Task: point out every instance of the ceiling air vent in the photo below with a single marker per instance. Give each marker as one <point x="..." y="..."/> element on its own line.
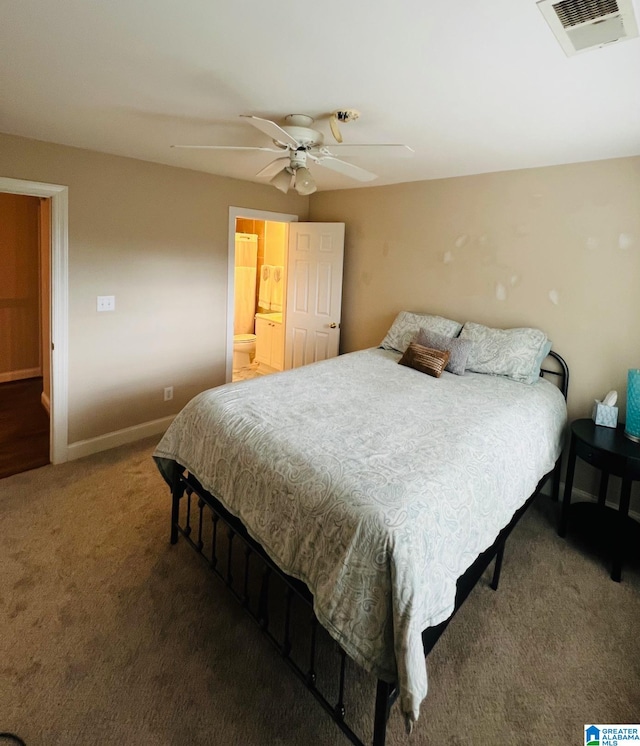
<point x="580" y="25"/>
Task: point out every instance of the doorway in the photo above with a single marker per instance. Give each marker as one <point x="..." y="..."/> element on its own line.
<point x="58" y="306"/>
<point x="24" y="333"/>
<point x="260" y="298"/>
<point x="267" y="231"/>
<point x="304" y="327"/>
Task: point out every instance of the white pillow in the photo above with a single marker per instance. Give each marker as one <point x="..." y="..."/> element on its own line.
<point x="407" y="325"/>
<point x="513" y="353"/>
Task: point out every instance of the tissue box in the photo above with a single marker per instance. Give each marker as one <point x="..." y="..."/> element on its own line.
<point x="604" y="415"/>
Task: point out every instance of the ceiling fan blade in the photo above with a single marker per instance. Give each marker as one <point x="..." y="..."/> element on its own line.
<point x="342" y="167"/>
<point x="273" y="168"/>
<point x="273" y="130"/>
<point x="397" y="151"/>
<point x="228" y="147"/>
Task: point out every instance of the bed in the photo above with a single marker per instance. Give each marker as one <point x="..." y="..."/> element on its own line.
<point x="380" y="494"/>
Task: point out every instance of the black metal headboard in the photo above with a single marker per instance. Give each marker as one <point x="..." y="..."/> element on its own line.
<point x="562" y="374"/>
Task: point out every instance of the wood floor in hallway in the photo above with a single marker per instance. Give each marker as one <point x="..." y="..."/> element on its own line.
<point x="24" y="427"/>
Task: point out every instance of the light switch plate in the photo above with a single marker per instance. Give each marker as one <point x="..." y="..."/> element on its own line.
<point x="106" y="303"/>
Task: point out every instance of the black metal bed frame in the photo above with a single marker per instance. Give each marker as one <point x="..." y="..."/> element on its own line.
<point x="208" y="542"/>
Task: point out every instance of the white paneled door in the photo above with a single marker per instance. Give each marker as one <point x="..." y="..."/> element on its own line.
<point x="314" y="292"/>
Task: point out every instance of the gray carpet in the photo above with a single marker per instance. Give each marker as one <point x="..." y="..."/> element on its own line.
<point x="108" y="635"/>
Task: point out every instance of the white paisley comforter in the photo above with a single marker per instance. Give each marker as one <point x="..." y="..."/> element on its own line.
<point x="375" y="484"/>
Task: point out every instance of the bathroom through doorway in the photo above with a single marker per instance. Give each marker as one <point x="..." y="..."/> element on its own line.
<point x="257" y="289"/>
<point x="299" y="322"/>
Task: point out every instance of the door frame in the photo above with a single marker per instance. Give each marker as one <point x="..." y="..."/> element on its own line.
<point x="242" y="212"/>
<point x="59" y="286"/>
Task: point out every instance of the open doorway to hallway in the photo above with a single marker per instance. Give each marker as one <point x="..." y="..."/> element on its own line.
<point x="25" y="371"/>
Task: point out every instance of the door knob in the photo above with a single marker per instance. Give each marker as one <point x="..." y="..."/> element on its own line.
<point x="333" y="325"/>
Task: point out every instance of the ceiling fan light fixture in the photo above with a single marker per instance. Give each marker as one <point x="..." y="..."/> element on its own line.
<point x="282" y="180"/>
<point x="297" y="141"/>
<point x="304" y="183"/>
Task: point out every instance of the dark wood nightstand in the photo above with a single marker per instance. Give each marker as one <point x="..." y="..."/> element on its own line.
<point x="611" y="452"/>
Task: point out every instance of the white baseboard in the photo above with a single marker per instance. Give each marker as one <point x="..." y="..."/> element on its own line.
<point x="584" y="496"/>
<point x="44" y="400"/>
<point x="118" y="438"/>
<point x="18" y="375"/>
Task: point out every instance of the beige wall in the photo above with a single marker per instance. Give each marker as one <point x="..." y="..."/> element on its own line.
<point x="156" y="238"/>
<point x="556" y="248"/>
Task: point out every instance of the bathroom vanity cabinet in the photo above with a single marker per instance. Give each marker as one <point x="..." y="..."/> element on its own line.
<point x="270" y="340"/>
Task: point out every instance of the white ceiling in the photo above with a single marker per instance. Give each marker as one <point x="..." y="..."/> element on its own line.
<point x="473" y="87"/>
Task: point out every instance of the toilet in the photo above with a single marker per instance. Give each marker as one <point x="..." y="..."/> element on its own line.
<point x="244" y="350"/>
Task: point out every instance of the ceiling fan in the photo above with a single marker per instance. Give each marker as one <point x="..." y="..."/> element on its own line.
<point x="297" y="143"/>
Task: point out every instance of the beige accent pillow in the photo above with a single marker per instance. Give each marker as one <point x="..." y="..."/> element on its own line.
<point x="425" y="359"/>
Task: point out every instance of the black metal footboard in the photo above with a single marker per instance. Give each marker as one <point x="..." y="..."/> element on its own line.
<point x="231" y="553"/>
<point x="235" y="558"/>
